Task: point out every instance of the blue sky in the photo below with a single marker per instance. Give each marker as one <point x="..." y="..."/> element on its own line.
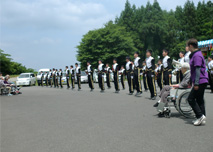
<point x="45" y="33"/>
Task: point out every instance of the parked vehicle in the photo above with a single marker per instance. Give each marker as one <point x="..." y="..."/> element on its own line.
<point x="84" y="77"/>
<point x="64" y="79"/>
<point x="39" y="75"/>
<point x="26" y="79"/>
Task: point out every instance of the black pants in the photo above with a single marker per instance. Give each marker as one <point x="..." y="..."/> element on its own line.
<point x="130" y="81"/>
<point x="51" y="81"/>
<point x="90" y="81"/>
<point x="122" y="81"/>
<point x="151" y="83"/>
<point x="101" y="81"/>
<point x="73" y="81"/>
<point x="166" y="78"/>
<point x="116" y="81"/>
<point x="210" y="80"/>
<point x="179" y="77"/>
<point x="145" y="82"/>
<point x="60" y="80"/>
<point x="54" y="81"/>
<point x="137" y="80"/>
<point x="196" y="100"/>
<point x="159" y="80"/>
<point x="42" y="82"/>
<point x="46" y="81"/>
<point x="79" y="81"/>
<point x="68" y="83"/>
<point x="108" y="80"/>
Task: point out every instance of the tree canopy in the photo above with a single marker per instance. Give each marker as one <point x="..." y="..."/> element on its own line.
<point x="149" y="27"/>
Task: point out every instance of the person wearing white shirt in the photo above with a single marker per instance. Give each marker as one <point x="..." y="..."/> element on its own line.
<point x="144" y="76"/>
<point x="179" y="75"/>
<point x="159" y="74"/>
<point x="54" y="80"/>
<point x="137" y="69"/>
<point x="56" y="77"/>
<point x="150" y="68"/>
<point x="46" y="78"/>
<point x="78" y="75"/>
<point x="51" y="78"/>
<point x="67" y="72"/>
<point x="130" y="74"/>
<point x="60" y="74"/>
<point x="108" y="71"/>
<point x="187" y="54"/>
<point x="116" y="76"/>
<point x="210" y="71"/>
<point x="101" y="75"/>
<point x="90" y="74"/>
<point x="72" y="72"/>
<point x="42" y="78"/>
<point x="122" y="73"/>
<point x="167" y="68"/>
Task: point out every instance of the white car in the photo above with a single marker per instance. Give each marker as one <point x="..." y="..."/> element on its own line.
<point x="26" y="79"/>
<point x="39" y="75"/>
<point x="84" y="77"/>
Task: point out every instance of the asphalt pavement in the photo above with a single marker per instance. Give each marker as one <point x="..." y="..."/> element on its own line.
<point x="59" y="120"/>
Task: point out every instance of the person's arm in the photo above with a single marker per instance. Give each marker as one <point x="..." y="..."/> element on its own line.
<point x="169" y="62"/>
<point x="197" y="75"/>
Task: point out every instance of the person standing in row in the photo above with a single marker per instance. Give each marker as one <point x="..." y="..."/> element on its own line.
<point x="159" y="74"/>
<point x="101" y="75"/>
<point x="56" y="77"/>
<point x="179" y="76"/>
<point x="90" y="75"/>
<point x="78" y="75"/>
<point x="67" y="72"/>
<point x="199" y="78"/>
<point x="46" y="79"/>
<point x="60" y="77"/>
<point x="108" y="71"/>
<point x="122" y="73"/>
<point x="187" y="54"/>
<point x="115" y="70"/>
<point x="54" y="81"/>
<point x="72" y="72"/>
<point x="51" y="78"/>
<point x="210" y="72"/>
<point x="150" y="68"/>
<point x="137" y="68"/>
<point x="130" y="74"/>
<point x="42" y="78"/>
<point x="144" y="73"/>
<point x="167" y="68"/>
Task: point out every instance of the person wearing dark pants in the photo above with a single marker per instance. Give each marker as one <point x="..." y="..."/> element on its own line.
<point x="122" y="73"/>
<point x="159" y="74"/>
<point x="67" y="72"/>
<point x="60" y="78"/>
<point x="101" y="75"/>
<point x="199" y="79"/>
<point x="167" y="68"/>
<point x="137" y="70"/>
<point x="42" y="78"/>
<point x="179" y="75"/>
<point x="210" y="72"/>
<point x="108" y="72"/>
<point x="51" y="78"/>
<point x="72" y="72"/>
<point x="150" y="68"/>
<point x="54" y="82"/>
<point x="78" y="75"/>
<point x="56" y="77"/>
<point x="90" y="75"/>
<point x="46" y="79"/>
<point x="145" y="76"/>
<point x="130" y="74"/>
<point x="115" y="70"/>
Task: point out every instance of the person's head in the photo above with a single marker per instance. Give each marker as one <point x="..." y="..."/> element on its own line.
<point x="122" y="67"/>
<point x="88" y="62"/>
<point x="185" y="67"/>
<point x="53" y="69"/>
<point x="114" y="61"/>
<point x="165" y="52"/>
<point x="41" y="71"/>
<point x="192" y="44"/>
<point x="60" y="69"/>
<point x="76" y="64"/>
<point x="66" y="67"/>
<point x="45" y="72"/>
<point x="7" y="77"/>
<point x="56" y="69"/>
<point x="136" y="54"/>
<point x="148" y="53"/>
<point x="71" y="66"/>
<point x="144" y="62"/>
<point x="107" y="65"/>
<point x="187" y="49"/>
<point x="127" y="59"/>
<point x="159" y="61"/>
<point x="50" y="70"/>
<point x="210" y="58"/>
<point x="99" y="61"/>
<point x="181" y="54"/>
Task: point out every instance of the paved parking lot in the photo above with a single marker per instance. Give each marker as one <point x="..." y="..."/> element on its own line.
<point x="61" y="120"/>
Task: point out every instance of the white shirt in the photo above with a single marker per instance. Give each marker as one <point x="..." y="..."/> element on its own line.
<point x="149" y="62"/>
<point x="77" y="70"/>
<point x="186" y="57"/>
<point x="122" y="71"/>
<point x="66" y="71"/>
<point x="100" y="67"/>
<point x="136" y="61"/>
<point x="159" y="67"/>
<point x="114" y="66"/>
<point x="165" y="63"/>
<point x="181" y="60"/>
<point x="88" y="68"/>
<point x="53" y="72"/>
<point x="71" y="71"/>
<point x="210" y="65"/>
<point x="144" y="68"/>
<point x="127" y="65"/>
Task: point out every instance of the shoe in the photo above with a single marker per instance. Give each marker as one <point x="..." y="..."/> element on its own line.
<point x="9" y="94"/>
<point x="199" y="121"/>
<point x="153" y="98"/>
<point x="160" y="114"/>
<point x="203" y="122"/>
<point x="156" y="105"/>
<point x="91" y="90"/>
<point x="130" y="93"/>
<point x="102" y="91"/>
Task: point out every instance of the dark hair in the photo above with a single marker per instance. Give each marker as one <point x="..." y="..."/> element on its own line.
<point x="182" y="52"/>
<point x="60" y="69"/>
<point x="71" y="66"/>
<point x="160" y="60"/>
<point x="53" y="68"/>
<point x="122" y="66"/>
<point x="192" y="42"/>
<point x="100" y="60"/>
<point x="56" y="69"/>
<point x="150" y="51"/>
<point x="50" y="70"/>
<point x="166" y="51"/>
<point x="107" y="64"/>
<point x="136" y="53"/>
<point x="211" y="56"/>
<point x="89" y="62"/>
<point x="144" y="61"/>
<point x="42" y="71"/>
<point x="115" y="59"/>
<point x="128" y="58"/>
<point x="76" y="63"/>
<point x="66" y="66"/>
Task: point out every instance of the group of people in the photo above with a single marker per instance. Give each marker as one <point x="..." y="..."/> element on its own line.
<point x="192" y="72"/>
